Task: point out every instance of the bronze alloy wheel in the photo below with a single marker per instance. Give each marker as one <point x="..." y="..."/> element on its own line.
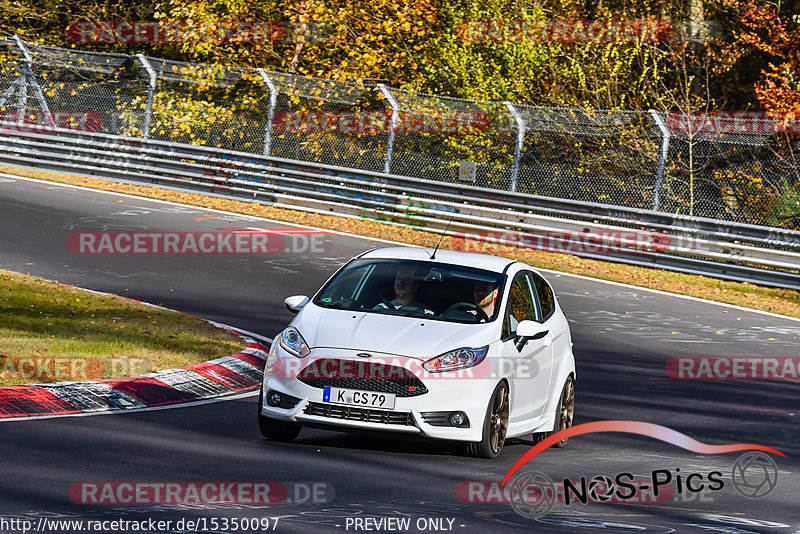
<point x="495" y="425"/>
<point x="499" y="422"/>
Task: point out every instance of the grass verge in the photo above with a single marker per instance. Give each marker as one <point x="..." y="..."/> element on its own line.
<point x="51" y="332"/>
<point x="780" y="301"/>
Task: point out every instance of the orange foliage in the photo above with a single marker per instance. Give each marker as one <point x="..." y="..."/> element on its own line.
<point x="780" y="90"/>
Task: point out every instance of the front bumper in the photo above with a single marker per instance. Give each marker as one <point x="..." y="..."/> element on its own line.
<point x="446" y="392"/>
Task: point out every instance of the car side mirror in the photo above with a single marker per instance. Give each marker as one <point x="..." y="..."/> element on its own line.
<point x="528" y="330"/>
<point x="295" y="303"/>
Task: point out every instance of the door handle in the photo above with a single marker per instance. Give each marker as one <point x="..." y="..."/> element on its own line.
<point x="547" y="341"/>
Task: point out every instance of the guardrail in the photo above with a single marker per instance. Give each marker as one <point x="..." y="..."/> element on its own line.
<point x="732" y="251"/>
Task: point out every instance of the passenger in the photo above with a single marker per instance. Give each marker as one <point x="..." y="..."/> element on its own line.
<point x="486" y="296"/>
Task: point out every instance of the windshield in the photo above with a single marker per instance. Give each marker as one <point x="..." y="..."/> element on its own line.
<point x="414" y="289"/>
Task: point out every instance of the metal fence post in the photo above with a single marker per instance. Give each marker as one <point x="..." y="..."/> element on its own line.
<point x="273" y="100"/>
<point x="27" y="78"/>
<point x="662" y="159"/>
<point x="387" y="167"/>
<point x="148" y="113"/>
<point x="519" y="146"/>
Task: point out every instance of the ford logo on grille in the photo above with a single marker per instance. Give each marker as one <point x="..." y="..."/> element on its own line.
<point x="364" y="355"/>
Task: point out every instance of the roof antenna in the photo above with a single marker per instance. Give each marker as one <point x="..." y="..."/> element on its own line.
<point x="433" y="256"/>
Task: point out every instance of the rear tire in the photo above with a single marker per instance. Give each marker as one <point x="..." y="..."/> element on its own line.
<point x="564" y="415"/>
<point x="273" y="429"/>
<point x="495" y="425"/>
<point x="566" y="411"/>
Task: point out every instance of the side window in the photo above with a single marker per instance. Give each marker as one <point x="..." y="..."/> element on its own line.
<point x="547" y="301"/>
<point x="521" y="304"/>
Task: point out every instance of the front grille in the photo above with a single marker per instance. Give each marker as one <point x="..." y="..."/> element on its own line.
<point x="363" y="376"/>
<point x="351" y="413"/>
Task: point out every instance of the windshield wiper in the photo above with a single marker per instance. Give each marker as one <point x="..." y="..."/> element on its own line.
<point x="329" y="304"/>
<point x="402" y="313"/>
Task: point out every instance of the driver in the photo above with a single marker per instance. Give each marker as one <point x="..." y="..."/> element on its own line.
<point x="486" y="295"/>
<point x="405" y="289"/>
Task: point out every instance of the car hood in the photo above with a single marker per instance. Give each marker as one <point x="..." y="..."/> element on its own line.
<point x="413" y="337"/>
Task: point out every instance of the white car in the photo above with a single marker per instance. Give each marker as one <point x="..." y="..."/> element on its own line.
<point x="449" y="345"/>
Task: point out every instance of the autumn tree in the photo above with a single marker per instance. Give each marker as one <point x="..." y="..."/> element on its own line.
<point x="354" y="40"/>
<point x="46" y="21"/>
<point x="778" y="36"/>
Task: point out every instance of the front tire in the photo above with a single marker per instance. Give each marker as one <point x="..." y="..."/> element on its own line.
<point x="273" y="429"/>
<point x="495" y="425"/>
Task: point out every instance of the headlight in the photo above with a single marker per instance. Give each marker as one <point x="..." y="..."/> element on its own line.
<point x="292" y="342"/>
<point x="456" y="359"/>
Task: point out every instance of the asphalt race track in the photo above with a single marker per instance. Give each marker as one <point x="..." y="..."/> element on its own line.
<point x="623" y="339"/>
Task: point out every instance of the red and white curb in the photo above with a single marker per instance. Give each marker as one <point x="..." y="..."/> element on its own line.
<point x="221" y="377"/>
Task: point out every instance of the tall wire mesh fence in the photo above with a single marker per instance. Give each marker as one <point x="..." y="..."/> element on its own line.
<point x="434" y="134"/>
<point x="750" y="176"/>
<point x="329" y="122"/>
<point x="72" y="89"/>
<point x="205" y="104"/>
<point x="609" y="157"/>
<point x="743" y="169"/>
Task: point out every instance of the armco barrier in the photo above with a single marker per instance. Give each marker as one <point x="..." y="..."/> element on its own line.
<point x="732" y="251"/>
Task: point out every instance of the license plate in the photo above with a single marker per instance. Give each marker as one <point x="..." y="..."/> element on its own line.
<point x="354" y="397"/>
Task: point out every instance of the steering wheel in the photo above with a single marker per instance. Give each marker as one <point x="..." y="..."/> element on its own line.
<point x="346" y="303"/>
<point x="468" y="307"/>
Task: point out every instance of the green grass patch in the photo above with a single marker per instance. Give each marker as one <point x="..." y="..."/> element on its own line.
<point x="50" y="332"/>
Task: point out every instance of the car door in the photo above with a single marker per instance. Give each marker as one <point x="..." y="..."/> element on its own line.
<point x="555" y="324"/>
<point x="532" y="364"/>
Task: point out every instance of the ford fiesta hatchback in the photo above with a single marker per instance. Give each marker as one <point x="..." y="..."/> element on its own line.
<point x="449" y="345"/>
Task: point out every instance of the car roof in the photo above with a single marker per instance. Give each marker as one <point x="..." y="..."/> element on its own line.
<point x="467" y="259"/>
